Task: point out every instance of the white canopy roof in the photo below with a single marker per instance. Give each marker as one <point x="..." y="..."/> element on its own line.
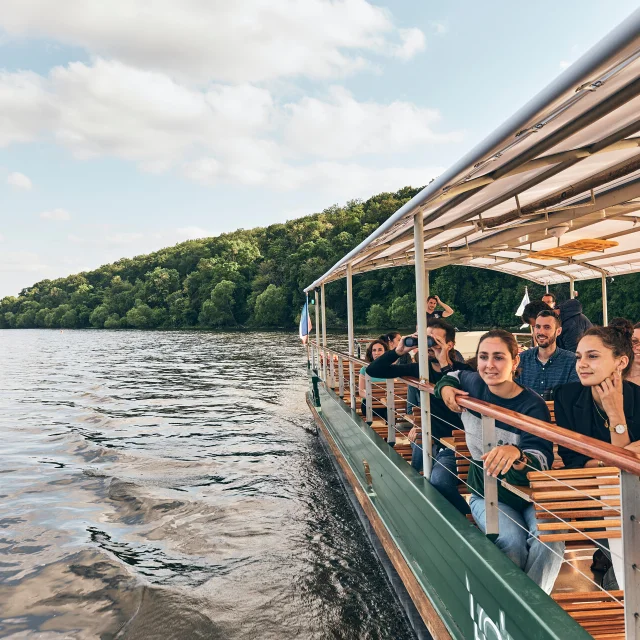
<point x="565" y="168"/>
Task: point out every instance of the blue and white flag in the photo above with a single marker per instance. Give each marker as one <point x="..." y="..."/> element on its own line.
<point x="305" y="323"/>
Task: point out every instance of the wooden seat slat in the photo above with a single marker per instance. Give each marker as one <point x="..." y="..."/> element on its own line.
<point x="578" y="482"/>
<point x="588" y="596"/>
<point x="562" y="474"/>
<point x="579" y="524"/>
<point x="559" y="537"/>
<point x="569" y="494"/>
<point x="593" y="513"/>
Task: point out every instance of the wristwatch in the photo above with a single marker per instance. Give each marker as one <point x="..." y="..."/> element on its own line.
<point x="619" y="428"/>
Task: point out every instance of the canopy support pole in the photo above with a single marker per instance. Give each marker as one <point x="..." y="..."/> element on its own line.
<point x="352" y="374"/>
<point x="572" y="290"/>
<point x="605" y="309"/>
<point x="324" y="334"/>
<point x="317" y="306"/>
<point x="422" y="291"/>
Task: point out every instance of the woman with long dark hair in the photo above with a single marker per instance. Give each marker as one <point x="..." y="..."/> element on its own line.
<point x="517" y="453"/>
<point x="374" y="351"/>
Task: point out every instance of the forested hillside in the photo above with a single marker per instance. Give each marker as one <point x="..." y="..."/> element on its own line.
<point x="255" y="278"/>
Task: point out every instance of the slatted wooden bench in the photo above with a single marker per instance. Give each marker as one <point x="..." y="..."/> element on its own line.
<point x="596" y="611"/>
<point x="571" y="501"/>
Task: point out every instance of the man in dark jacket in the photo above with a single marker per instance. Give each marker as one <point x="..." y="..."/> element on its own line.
<point x="574" y="324"/>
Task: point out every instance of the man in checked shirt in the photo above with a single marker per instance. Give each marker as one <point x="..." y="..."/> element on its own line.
<point x="546" y="366"/>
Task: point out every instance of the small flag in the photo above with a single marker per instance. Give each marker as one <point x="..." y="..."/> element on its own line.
<point x="305" y="323"/>
<point x="524" y="303"/>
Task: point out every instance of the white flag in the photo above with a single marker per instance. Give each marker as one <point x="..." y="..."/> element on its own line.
<point x="524" y="303"/>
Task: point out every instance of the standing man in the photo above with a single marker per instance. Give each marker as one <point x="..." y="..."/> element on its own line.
<point x="574" y="324"/>
<point x="546" y="366"/>
<point x="432" y="303"/>
<point x="550" y="299"/>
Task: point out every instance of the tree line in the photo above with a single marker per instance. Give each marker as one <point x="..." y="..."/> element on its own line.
<point x="256" y="277"/>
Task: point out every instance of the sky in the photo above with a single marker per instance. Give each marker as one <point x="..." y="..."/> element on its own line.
<point x="127" y="126"/>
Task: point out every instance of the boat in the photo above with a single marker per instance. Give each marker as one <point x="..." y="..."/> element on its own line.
<point x="552" y="196"/>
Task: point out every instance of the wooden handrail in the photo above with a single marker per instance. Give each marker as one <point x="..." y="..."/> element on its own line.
<point x="609" y="454"/>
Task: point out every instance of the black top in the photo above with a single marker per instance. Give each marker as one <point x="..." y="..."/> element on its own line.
<point x="445" y="420"/>
<point x="575" y="410"/>
<point x="434" y="316"/>
<point x="574" y="324"/>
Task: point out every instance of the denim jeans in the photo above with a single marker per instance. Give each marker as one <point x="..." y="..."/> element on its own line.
<point x="413" y="399"/>
<point x="520" y="542"/>
<point x="444" y="475"/>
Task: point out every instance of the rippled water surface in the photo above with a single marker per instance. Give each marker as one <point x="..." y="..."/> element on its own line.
<point x="171" y="485"/>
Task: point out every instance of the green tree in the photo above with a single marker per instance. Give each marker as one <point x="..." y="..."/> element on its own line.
<point x="140" y="316"/>
<point x="69" y="320"/>
<point x="271" y="307"/>
<point x="378" y="317"/>
<point x="98" y="316"/>
<point x="218" y="310"/>
<point x="112" y="322"/>
<point x="403" y="311"/>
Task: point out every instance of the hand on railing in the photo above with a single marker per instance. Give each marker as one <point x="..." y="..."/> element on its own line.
<point x="500" y="459"/>
<point x="450" y="396"/>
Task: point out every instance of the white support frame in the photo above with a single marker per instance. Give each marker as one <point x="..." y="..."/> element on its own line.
<point x="368" y="398"/>
<point x="630" y="502"/>
<point x="352" y="376"/>
<point x="317" y="368"/>
<point x="341" y="376"/>
<point x="324" y="334"/>
<point x="492" y="527"/>
<point x="605" y="305"/>
<point x="422" y="291"/>
<point x="391" y="411"/>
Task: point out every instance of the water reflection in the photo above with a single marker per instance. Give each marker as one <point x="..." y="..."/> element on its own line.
<point x="170" y="485"/>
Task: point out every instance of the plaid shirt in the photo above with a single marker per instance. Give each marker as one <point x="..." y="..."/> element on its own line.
<point x="559" y="369"/>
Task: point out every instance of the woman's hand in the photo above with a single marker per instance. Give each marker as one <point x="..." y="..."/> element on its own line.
<point x="609" y="392"/>
<point x="500" y="460"/>
<point x="450" y="398"/>
<point x="634" y="447"/>
<point x="413" y="434"/>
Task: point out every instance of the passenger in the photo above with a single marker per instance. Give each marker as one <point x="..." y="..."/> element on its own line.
<point x="546" y="366"/>
<point x="602" y="405"/>
<point x="432" y="314"/>
<point x="517" y="453"/>
<point x="444" y="474"/>
<point x="374" y="351"/>
<point x="531" y="311"/>
<point x="549" y="299"/>
<point x="574" y="324"/>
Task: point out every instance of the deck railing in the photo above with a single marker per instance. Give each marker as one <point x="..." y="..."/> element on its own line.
<point x="609" y="497"/>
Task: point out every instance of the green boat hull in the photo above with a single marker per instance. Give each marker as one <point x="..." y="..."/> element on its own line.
<point x="462" y="585"/>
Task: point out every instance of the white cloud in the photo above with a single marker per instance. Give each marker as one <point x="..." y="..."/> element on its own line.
<point x="249" y="41"/>
<point x="1" y="238"/>
<point x="24" y="107"/>
<point x="343" y="127"/>
<point x="59" y="215"/>
<point x="12" y="261"/>
<point x="123" y="238"/>
<point x="413" y="42"/>
<point x="19" y="181"/>
<point x="439" y="27"/>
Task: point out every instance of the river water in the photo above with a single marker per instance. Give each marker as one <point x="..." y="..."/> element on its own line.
<point x="171" y="485"/>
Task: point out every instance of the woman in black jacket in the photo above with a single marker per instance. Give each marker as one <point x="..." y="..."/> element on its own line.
<point x="601" y="405"/>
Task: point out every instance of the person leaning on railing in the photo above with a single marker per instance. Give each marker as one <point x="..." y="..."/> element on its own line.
<point x="374" y="351"/>
<point x="634" y="372"/>
<point x="517" y="453"/>
<point x="444" y="476"/>
<point x="602" y="405"/>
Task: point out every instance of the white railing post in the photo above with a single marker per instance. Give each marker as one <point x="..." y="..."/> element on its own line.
<point x="324" y="334"/>
<point x="630" y="502"/>
<point x="368" y="398"/>
<point x="490" y="483"/>
<point x="391" y="412"/>
<point x="317" y="306"/>
<point x="605" y="309"/>
<point x="332" y="372"/>
<point x="423" y="357"/>
<point x="352" y="374"/>
<point x="341" y="376"/>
